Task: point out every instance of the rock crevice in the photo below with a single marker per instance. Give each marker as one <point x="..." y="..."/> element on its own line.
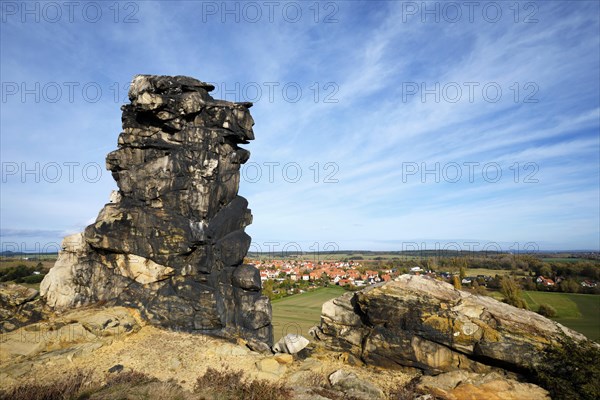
<point x="171" y="241"/>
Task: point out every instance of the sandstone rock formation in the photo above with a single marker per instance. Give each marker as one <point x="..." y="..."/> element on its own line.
<point x="464" y="385"/>
<point x="19" y="306"/>
<point x="421" y="322"/>
<point x="171" y="242"/>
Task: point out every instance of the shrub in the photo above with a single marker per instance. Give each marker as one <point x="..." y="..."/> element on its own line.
<point x="129" y="378"/>
<point x="229" y="384"/>
<point x="16" y="273"/>
<point x="406" y="392"/>
<point x="456" y="282"/>
<point x="570" y="371"/>
<point x="512" y="292"/>
<point x="33" y="279"/>
<point x="70" y="386"/>
<point x="547" y="310"/>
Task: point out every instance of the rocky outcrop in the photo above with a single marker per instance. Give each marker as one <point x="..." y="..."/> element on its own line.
<point x="171" y="242"/>
<point x="19" y="306"/>
<point x="464" y="385"/>
<point x="77" y="333"/>
<point x="421" y="322"/>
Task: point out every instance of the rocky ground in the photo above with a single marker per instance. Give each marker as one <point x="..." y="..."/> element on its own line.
<point x="103" y="339"/>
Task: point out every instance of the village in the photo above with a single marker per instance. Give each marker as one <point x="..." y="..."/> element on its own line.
<point x="339" y="273"/>
<point x="283" y="277"/>
<point x="297" y="276"/>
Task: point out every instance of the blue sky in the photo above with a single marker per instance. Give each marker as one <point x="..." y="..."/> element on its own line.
<point x="413" y="125"/>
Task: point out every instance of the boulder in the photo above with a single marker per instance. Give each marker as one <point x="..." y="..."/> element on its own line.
<point x="271" y="366"/>
<point x="247" y="277"/>
<point x="291" y="344"/>
<point x="171" y="241"/>
<point x="463" y="385"/>
<point x="259" y="347"/>
<point x="421" y="322"/>
<point x="352" y="386"/>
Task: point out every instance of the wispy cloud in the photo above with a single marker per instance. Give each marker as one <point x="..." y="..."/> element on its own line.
<point x="373" y="58"/>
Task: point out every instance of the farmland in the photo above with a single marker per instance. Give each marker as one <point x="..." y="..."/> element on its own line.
<point x="580" y="312"/>
<point x="298" y="313"/>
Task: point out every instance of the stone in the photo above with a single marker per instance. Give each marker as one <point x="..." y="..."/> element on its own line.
<point x="259" y="347"/>
<point x="354" y="387"/>
<point x="270" y="366"/>
<point x="291" y="344"/>
<point x="171" y="242"/>
<point x="284" y="358"/>
<point x="116" y="368"/>
<point x="417" y="321"/>
<point x="247" y="277"/>
<point x="464" y="385"/>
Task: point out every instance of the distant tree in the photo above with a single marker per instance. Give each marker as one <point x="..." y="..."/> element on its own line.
<point x="545" y="270"/>
<point x="479" y="289"/>
<point x="267" y="289"/>
<point x="591" y="271"/>
<point x="462" y="272"/>
<point x="512" y="292"/>
<point x="569" y="286"/>
<point x="456" y="282"/>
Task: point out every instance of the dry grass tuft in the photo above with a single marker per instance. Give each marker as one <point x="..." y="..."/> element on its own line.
<point x="228" y="385"/>
<point x="70" y="387"/>
<point x="225" y="384"/>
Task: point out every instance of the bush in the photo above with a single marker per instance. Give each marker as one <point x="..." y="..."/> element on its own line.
<point x="570" y="371"/>
<point x="33" y="279"/>
<point x="547" y="310"/>
<point x="16" y="273"/>
<point x="512" y="292"/>
<point x="229" y="384"/>
<point x="70" y="386"/>
<point x="79" y="386"/>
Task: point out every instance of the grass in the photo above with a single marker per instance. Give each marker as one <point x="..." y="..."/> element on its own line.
<point x="580" y="312"/>
<point x="563" y="303"/>
<point x="8" y="263"/>
<point x="298" y="313"/>
<point x="213" y="385"/>
<point x="486" y="271"/>
<point x="229" y="384"/>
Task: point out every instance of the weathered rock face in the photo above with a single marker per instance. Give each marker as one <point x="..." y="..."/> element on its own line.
<point x="464" y="385"/>
<point x="19" y="306"/>
<point x="171" y="242"/>
<point x="421" y="322"/>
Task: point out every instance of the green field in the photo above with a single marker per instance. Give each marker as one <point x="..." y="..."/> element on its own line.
<point x="580" y="312"/>
<point x="298" y="313"/>
<point x="488" y="272"/>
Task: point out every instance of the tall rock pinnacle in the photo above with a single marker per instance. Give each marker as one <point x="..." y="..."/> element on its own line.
<point x="171" y="242"/>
